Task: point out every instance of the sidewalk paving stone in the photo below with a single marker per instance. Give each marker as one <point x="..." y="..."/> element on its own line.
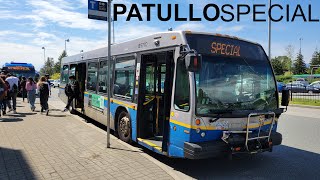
<point x="59" y="146"/>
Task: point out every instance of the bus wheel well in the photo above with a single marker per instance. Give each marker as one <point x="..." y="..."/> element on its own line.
<point x="118" y="111"/>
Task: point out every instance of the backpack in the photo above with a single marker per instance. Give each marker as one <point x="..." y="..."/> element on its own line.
<point x="14" y="88"/>
<point x="68" y="90"/>
<point x="44" y="89"/>
<point x="2" y="91"/>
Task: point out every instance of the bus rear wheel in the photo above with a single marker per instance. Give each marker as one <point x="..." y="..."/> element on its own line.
<point x="124" y="127"/>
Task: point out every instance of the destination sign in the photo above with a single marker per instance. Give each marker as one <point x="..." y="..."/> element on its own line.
<point x="225" y="49"/>
<point x="213" y="45"/>
<point x="19" y="68"/>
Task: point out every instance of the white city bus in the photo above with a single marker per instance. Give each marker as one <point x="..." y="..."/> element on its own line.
<point x="182" y="94"/>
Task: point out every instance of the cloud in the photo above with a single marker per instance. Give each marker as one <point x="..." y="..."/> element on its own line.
<point x="21" y="53"/>
<point x="191" y="27"/>
<point x="57" y="13"/>
<point x="15" y="33"/>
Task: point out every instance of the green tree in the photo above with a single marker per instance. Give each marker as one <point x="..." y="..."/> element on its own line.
<point x="315" y="60"/>
<point x="286" y="62"/>
<point x="299" y="66"/>
<point x="277" y="65"/>
<point x="48" y="67"/>
<point x="57" y="65"/>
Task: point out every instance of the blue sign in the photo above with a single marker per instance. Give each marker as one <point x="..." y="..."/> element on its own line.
<point x="97" y="10"/>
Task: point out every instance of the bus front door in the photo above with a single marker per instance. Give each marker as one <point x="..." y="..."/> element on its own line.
<point x="81" y="72"/>
<point x="155" y="88"/>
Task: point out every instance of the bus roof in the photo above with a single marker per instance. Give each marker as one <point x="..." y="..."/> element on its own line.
<point x="11" y="64"/>
<point x="166" y="40"/>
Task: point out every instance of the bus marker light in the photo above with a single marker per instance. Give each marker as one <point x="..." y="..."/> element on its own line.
<point x="198" y="130"/>
<point x="237" y="149"/>
<point x="203" y="134"/>
<point x="173" y="37"/>
<point x="174" y="128"/>
<point x="198" y="122"/>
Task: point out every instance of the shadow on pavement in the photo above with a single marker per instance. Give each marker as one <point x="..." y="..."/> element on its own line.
<point x="56" y="110"/>
<point x="51" y="115"/>
<point x="125" y="150"/>
<point x="11" y="120"/>
<point x="13" y="165"/>
<point x="18" y="114"/>
<point x="283" y="163"/>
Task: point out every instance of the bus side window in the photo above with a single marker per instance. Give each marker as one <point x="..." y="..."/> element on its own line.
<point x="103" y="73"/>
<point x="124" y="78"/>
<point x="92" y="76"/>
<point x="65" y="74"/>
<point x="182" y="88"/>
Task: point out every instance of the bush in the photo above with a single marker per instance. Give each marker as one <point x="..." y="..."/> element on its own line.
<point x="55" y="76"/>
<point x="284" y="78"/>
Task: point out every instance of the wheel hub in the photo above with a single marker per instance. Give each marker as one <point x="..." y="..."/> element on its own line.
<point x="125" y="126"/>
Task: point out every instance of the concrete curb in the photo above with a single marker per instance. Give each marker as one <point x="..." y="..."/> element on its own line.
<point x="164" y="167"/>
<point x="304" y="106"/>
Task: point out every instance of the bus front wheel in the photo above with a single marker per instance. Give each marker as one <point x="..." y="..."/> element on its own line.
<point x="124" y="127"/>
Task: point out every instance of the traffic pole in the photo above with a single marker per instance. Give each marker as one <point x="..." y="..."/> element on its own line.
<point x="269" y="34"/>
<point x="109" y="71"/>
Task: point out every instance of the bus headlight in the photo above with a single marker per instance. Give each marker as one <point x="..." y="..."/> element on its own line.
<point x="203" y="134"/>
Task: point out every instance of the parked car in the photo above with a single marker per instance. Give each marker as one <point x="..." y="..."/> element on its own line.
<point x="302" y="81"/>
<point x="316" y="83"/>
<point x="298" y="87"/>
<point x="281" y="86"/>
<point x="56" y="83"/>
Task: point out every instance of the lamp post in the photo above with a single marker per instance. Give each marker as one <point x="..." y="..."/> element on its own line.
<point x="301" y="39"/>
<point x="114" y="39"/>
<point x="269" y="34"/>
<point x="65" y="45"/>
<point x="44" y="54"/>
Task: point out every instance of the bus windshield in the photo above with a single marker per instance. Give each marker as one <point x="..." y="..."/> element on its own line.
<point x="240" y="78"/>
<point x="234" y="84"/>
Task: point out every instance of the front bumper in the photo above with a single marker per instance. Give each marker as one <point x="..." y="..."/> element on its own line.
<point x="219" y="148"/>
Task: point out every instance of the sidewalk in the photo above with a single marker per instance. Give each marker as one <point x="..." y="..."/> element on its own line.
<point x="60" y="146"/>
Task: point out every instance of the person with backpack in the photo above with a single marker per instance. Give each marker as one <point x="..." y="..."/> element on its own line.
<point x="72" y="91"/>
<point x="3" y="88"/>
<point x="22" y="88"/>
<point x="3" y="104"/>
<point x="31" y="87"/>
<point x="43" y="89"/>
<point x="48" y="77"/>
<point x="13" y="92"/>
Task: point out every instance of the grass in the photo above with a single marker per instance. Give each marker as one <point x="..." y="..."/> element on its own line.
<point x="308" y="102"/>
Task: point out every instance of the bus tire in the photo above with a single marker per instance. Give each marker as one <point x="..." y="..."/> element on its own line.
<point x="124" y="127"/>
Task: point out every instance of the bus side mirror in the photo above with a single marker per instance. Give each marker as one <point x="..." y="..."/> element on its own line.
<point x="285" y="97"/>
<point x="193" y="62"/>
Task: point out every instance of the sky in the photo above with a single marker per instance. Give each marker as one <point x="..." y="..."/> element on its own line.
<point x="28" y="25"/>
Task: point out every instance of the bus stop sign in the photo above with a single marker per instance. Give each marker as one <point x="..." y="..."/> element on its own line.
<point x="97" y="10"/>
